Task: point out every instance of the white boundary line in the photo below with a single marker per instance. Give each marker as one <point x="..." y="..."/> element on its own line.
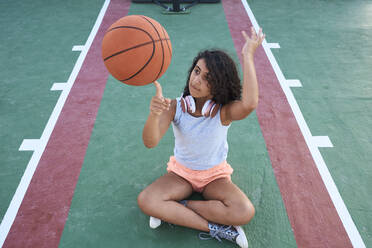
<point x="293" y="83"/>
<point x="17" y="199"/>
<point x="29" y="145"/>
<point x="78" y="48"/>
<point x="322" y="141"/>
<point x="59" y="86"/>
<point x="273" y="45"/>
<point x="339" y="204"/>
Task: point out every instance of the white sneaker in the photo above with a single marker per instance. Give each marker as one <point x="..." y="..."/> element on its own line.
<point x="241" y="240"/>
<point x="232" y="233"/>
<point x="154" y="222"/>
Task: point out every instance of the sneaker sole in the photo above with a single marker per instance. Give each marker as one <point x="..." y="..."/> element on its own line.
<point x="242" y="239"/>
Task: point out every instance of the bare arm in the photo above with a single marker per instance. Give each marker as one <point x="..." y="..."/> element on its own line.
<point x="238" y="110"/>
<point x="162" y="112"/>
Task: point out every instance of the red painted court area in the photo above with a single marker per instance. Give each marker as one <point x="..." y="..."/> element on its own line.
<point x="42" y="216"/>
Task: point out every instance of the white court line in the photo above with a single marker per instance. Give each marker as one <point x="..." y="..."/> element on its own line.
<point x="273" y="45"/>
<point x="29" y="145"/>
<point x="322" y="141"/>
<point x="293" y="83"/>
<point x="59" y="86"/>
<point x="339" y="204"/>
<point x="78" y="48"/>
<point x="16" y="201"/>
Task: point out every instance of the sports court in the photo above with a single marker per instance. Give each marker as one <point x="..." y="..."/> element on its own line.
<point x="72" y="161"/>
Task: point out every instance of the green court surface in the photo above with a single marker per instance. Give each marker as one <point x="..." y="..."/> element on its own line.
<point x="327" y="45"/>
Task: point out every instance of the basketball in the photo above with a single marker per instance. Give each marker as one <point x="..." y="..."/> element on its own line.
<point x="136" y="50"/>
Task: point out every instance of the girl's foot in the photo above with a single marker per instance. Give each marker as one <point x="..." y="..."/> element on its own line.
<point x="232" y="233"/>
<point x="154" y="222"/>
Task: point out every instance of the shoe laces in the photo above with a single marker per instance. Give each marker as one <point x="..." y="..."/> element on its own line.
<point x="218" y="232"/>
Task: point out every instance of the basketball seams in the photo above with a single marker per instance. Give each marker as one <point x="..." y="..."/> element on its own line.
<point x="130" y="27"/>
<point x="153" y="49"/>
<point x="164" y="34"/>
<point x="152" y="55"/>
<point x="134" y="27"/>
<point x="143" y="67"/>
<point x="134" y="47"/>
<point x="162" y="47"/>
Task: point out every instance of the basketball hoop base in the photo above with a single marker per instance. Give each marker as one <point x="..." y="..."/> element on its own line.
<point x="176" y="7"/>
<point x="172" y="12"/>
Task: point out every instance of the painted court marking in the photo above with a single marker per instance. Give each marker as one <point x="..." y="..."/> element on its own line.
<point x="313" y="144"/>
<point x="30" y="145"/>
<point x="78" y="48"/>
<point x="272" y="45"/>
<point x="38" y="145"/>
<point x="293" y="83"/>
<point x="322" y="141"/>
<point x="59" y="86"/>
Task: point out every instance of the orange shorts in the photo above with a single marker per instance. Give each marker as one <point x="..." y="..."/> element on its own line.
<point x="200" y="178"/>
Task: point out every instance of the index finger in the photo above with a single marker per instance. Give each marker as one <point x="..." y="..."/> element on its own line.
<point x="159" y="90"/>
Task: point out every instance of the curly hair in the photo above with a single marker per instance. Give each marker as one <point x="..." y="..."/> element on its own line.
<point x="223" y="76"/>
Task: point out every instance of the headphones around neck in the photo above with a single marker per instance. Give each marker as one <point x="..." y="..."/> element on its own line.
<point x="209" y="109"/>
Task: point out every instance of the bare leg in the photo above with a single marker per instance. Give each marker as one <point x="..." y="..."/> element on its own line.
<point x="225" y="204"/>
<point x="160" y="199"/>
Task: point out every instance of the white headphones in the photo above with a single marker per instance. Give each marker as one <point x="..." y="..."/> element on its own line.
<point x="209" y="109"/>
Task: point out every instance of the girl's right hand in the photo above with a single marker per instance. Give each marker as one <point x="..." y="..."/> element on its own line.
<point x="251" y="43"/>
<point x="158" y="103"/>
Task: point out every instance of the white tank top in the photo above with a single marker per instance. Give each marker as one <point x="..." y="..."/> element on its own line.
<point x="200" y="142"/>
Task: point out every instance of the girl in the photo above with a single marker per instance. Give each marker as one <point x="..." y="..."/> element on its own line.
<point x="212" y="99"/>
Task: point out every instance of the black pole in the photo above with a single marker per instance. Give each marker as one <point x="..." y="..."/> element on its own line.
<point x="176" y="5"/>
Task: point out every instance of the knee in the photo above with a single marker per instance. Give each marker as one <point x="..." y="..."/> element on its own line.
<point x="248" y="212"/>
<point x="243" y="212"/>
<point x="145" y="201"/>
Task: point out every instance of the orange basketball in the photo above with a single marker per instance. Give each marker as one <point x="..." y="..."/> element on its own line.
<point x="136" y="50"/>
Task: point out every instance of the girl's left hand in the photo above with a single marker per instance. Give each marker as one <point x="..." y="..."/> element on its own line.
<point x="251" y="43"/>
